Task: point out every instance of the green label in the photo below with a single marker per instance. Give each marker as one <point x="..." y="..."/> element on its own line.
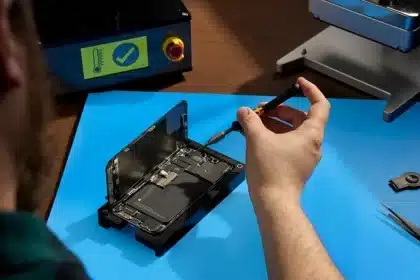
<point x="114" y="58"/>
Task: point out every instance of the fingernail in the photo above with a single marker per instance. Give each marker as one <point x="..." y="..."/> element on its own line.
<point x="301" y="79"/>
<point x="243" y="112"/>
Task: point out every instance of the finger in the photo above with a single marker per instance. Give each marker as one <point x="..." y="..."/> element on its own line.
<point x="288" y="114"/>
<point x="251" y="123"/>
<point x="320" y="106"/>
<point x="276" y="126"/>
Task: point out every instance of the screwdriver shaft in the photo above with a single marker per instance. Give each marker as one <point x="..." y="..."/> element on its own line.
<point x="259" y="110"/>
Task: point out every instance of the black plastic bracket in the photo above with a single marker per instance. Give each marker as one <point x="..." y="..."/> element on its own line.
<point x="409" y="180"/>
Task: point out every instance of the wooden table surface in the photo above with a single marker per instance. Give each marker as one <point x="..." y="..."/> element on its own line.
<point x="235" y="46"/>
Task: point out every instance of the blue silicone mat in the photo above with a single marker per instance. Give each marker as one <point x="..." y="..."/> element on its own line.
<point x="361" y="153"/>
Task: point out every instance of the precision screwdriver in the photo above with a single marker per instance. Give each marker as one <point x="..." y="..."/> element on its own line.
<point x="289" y="93"/>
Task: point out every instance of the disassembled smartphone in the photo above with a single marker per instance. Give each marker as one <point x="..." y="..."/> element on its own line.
<point x="163" y="183"/>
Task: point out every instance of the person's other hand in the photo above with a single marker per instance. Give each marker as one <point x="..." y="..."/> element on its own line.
<point x="280" y="158"/>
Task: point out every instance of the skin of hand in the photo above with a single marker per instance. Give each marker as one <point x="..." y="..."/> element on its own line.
<point x="280" y="158"/>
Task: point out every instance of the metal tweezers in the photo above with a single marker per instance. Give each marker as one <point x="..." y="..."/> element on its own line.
<point x="409" y="227"/>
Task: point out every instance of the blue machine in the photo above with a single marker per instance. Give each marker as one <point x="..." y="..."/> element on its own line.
<point x="371" y="45"/>
<point x="388" y="22"/>
<point x="95" y="44"/>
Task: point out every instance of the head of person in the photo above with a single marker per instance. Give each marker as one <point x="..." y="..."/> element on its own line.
<point x="24" y="108"/>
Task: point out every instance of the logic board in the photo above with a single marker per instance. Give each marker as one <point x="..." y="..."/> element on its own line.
<point x="164" y="183"/>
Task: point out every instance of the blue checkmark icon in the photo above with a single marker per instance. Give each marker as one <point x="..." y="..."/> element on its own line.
<point x="126" y="54"/>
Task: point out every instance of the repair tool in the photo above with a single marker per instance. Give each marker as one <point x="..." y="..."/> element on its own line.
<point x="409" y="227"/>
<point x="99" y="44"/>
<point x="409" y="180"/>
<point x="370" y="45"/>
<point x="293" y="91"/>
<point x="155" y="186"/>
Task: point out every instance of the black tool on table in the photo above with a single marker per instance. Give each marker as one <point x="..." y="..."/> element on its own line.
<point x="408" y="181"/>
<point x="409" y="227"/>
<point x="289" y="93"/>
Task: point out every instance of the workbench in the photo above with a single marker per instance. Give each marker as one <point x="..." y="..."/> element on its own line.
<point x="360" y="154"/>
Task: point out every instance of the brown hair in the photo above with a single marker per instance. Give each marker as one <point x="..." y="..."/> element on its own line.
<point x="31" y="156"/>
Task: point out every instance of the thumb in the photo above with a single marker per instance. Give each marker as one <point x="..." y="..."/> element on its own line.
<point x="251" y="123"/>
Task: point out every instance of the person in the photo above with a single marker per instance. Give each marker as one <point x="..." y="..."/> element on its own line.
<point x="30" y="251"/>
<point x="279" y="161"/>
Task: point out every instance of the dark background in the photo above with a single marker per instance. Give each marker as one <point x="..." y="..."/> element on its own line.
<point x="235" y="47"/>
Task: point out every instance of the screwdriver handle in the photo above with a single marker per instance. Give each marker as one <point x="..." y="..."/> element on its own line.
<point x="236" y="126"/>
<point x="291" y="92"/>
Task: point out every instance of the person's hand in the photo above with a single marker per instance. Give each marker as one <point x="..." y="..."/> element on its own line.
<point x="280" y="158"/>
